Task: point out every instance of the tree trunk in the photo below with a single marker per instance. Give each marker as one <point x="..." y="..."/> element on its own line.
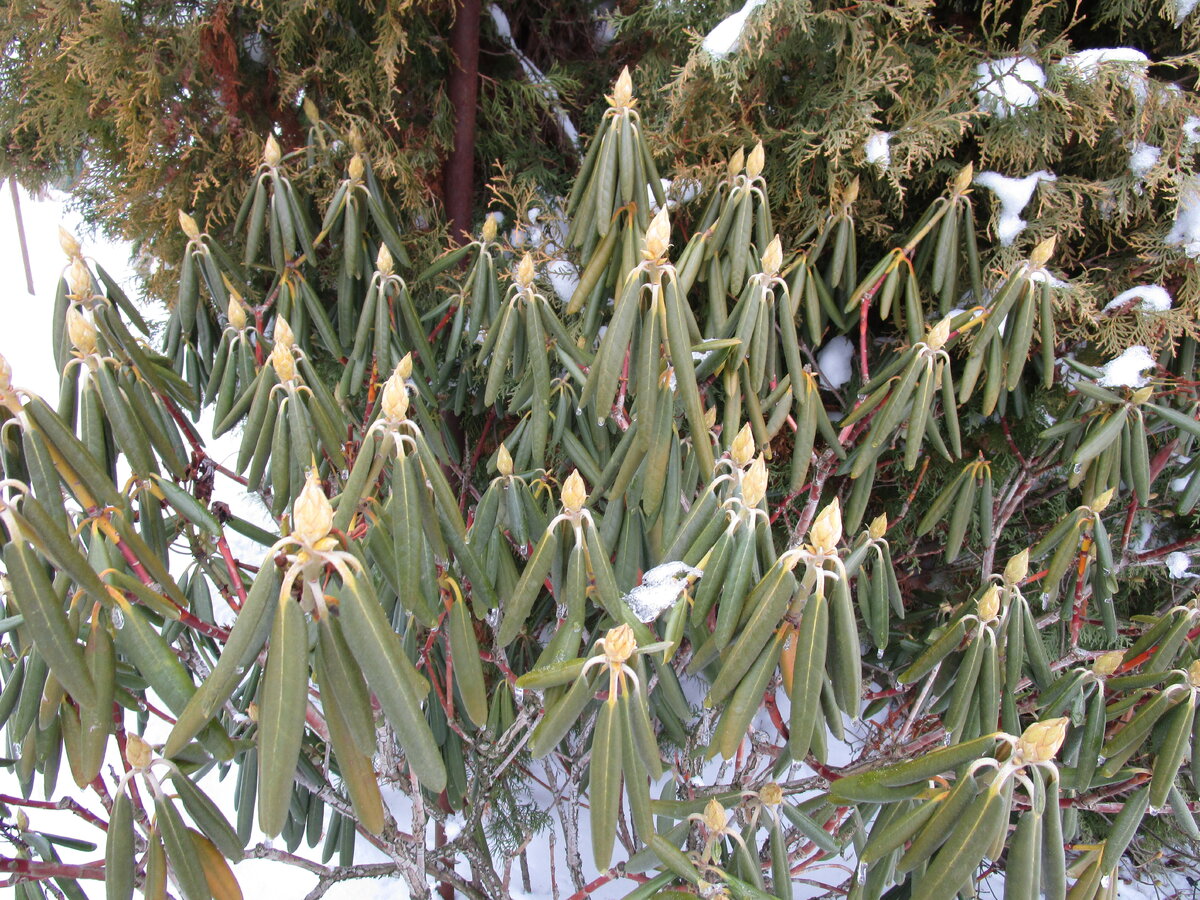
<point x="458" y="177"/>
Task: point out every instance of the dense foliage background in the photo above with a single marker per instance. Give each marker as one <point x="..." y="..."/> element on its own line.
<point x="828" y="498"/>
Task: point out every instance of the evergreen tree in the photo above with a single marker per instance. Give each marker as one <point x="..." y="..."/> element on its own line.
<point x="666" y="498"/>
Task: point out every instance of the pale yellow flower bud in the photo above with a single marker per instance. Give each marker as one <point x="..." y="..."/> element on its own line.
<point x="1017" y="568"/>
<point x="5" y="376"/>
<point x="714" y="816"/>
<point x="22" y="820"/>
<point x="1193" y="672"/>
<point x="619" y="644"/>
<point x="1042" y="252"/>
<point x="938" y="334"/>
<point x="404" y="367"/>
<point x="490" y="227"/>
<point x="574" y="495"/>
<point x="826" y="530"/>
<point x="1141" y="395"/>
<point x="312" y="513"/>
<point x="383" y="261"/>
<point x="189" y="226"/>
<point x="754" y="482"/>
<point x="1107" y="663"/>
<point x="252" y="711"/>
<point x="283" y="333"/>
<point x="81" y="332"/>
<point x="658" y="235"/>
<point x="525" y="272"/>
<point x="878" y="527"/>
<point x="67" y="241"/>
<point x="1042" y="740"/>
<point x="989" y="604"/>
<point x="741" y="451"/>
<point x="394" y="398"/>
<point x="310" y="111"/>
<point x="356" y="167"/>
<point x="1100" y="504"/>
<point x="236" y="312"/>
<point x="283" y="362"/>
<point x="754" y="162"/>
<point x="137" y="752"/>
<point x="271" y="152"/>
<point x="963" y="179"/>
<point x="771" y="794"/>
<point x="710" y="418"/>
<point x="737" y="162"/>
<point x="504" y="462"/>
<point x="851" y="192"/>
<point x="622" y="95"/>
<point x="79" y="278"/>
<point x="772" y="257"/>
<point x="355" y="138"/>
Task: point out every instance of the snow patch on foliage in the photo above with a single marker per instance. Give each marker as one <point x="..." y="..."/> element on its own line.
<point x="1151" y="297"/>
<point x="1178" y="564"/>
<point x="1191" y="129"/>
<point x="1186" y="231"/>
<point x="1007" y="85"/>
<point x="660" y="589"/>
<point x="726" y="37"/>
<point x="1142" y="158"/>
<point x="1129" y="63"/>
<point x="834" y="362"/>
<point x="1126" y="370"/>
<point x="1013" y="195"/>
<point x="1183" y="9"/>
<point x="877" y="150"/>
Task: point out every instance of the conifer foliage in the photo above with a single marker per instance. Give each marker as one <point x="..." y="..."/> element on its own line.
<point x="767" y="543"/>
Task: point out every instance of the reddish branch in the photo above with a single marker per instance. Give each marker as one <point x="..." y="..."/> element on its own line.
<point x="33" y="870"/>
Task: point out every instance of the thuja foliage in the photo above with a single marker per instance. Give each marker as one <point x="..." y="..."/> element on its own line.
<point x="623" y="541"/>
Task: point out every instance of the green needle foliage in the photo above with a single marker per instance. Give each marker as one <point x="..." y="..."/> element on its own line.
<point x="616" y="534"/>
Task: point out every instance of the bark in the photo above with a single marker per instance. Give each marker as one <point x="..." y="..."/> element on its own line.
<point x="459" y="174"/>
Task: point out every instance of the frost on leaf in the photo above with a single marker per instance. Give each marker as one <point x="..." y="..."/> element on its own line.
<point x="660" y="589"/>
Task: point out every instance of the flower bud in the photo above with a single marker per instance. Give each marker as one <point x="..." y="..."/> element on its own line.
<point x="826" y="530"/>
<point x="963" y="179"/>
<point x="989" y="604"/>
<point x="619" y="644"/>
<point x="772" y="257"/>
<point x="271" y="152"/>
<point x="737" y="162"/>
<point x="524" y="276"/>
<point x="1107" y="663"/>
<point x="754" y="482"/>
<point x="658" y="235"/>
<point x="394" y="399"/>
<point x="851" y="192"/>
<point x="137" y="752"/>
<point x="710" y="418"/>
<point x="81" y="332"/>
<point x="189" y="226"/>
<point x="236" y="312"/>
<point x="355" y="139"/>
<point x="283" y="333"/>
<point x="1042" y="252"/>
<point x="283" y="362"/>
<point x="310" y="111"/>
<point x="490" y="227"/>
<point x="67" y="241"/>
<point x="714" y="816"/>
<point x="1193" y="673"/>
<point x="355" y="169"/>
<point x="5" y="376"/>
<point x="1042" y="740"/>
<point x="622" y="95"/>
<point x="504" y="463"/>
<point x="938" y="334"/>
<point x="79" y="279"/>
<point x="383" y="261"/>
<point x="1100" y="504"/>
<point x="574" y="495"/>
<point x="312" y="513"/>
<point x="771" y="794"/>
<point x="741" y="451"/>
<point x="878" y="527"/>
<point x="1141" y="395"/>
<point x="404" y="367"/>
<point x="754" y="162"/>
<point x="1017" y="569"/>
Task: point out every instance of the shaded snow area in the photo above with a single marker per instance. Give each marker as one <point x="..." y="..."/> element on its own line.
<point x="547" y="233"/>
<point x="1186" y="231"/>
<point x="876" y="149"/>
<point x="1178" y="564"/>
<point x="660" y="589"/>
<point x="1131" y="64"/>
<point x="834" y="362"/>
<point x="1150" y="297"/>
<point x="1013" y="195"/>
<point x="726" y="37"/>
<point x="1126" y="370"/>
<point x="1183" y="9"/>
<point x="1191" y="129"/>
<point x="677" y="192"/>
<point x="1007" y="85"/>
<point x="1142" y="158"/>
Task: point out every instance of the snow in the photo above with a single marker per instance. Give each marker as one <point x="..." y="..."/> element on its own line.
<point x="724" y="39"/>
<point x="1013" y="195"/>
<point x="1186" y="231"/>
<point x="1178" y="564"/>
<point x="876" y="149"/>
<point x="548" y="234"/>
<point x="834" y="362"/>
<point x="1131" y="65"/>
<point x="660" y="589"/>
<point x="1007" y="85"/>
<point x="1183" y="9"/>
<point x="1152" y="299"/>
<point x="1191" y="129"/>
<point x="1126" y="370"/>
<point x="677" y="192"/>
<point x="1142" y="158"/>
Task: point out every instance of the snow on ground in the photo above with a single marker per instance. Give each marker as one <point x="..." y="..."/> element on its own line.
<point x="877" y="149"/>
<point x="1151" y="297"/>
<point x="1013" y="195"/>
<point x="1007" y="85"/>
<point x="1126" y="370"/>
<point x="725" y="38"/>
